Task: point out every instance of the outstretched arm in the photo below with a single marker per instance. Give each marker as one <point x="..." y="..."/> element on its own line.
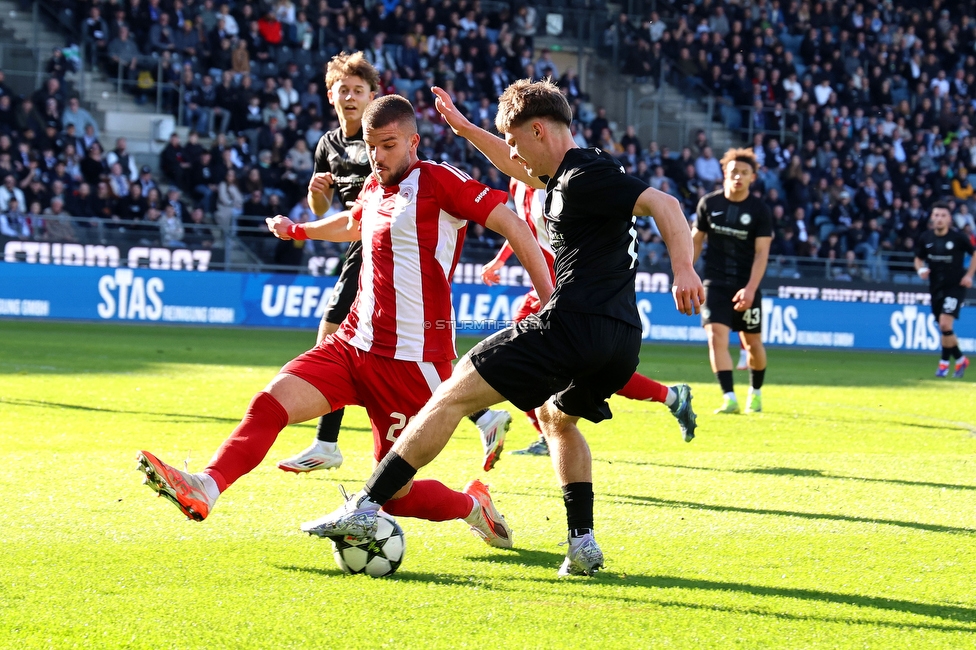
<point x="687" y="287"/>
<point x="507" y="224"/>
<point x="338" y="227"/>
<point x="494" y="148"/>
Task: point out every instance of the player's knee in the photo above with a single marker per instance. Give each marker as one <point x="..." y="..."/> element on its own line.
<point x="948" y="332"/>
<point x="553" y="421"/>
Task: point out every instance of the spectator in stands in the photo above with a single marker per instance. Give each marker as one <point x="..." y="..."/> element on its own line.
<point x="197" y="234"/>
<point x="230" y="200"/>
<point x="171" y="160"/>
<point x="161" y="36"/>
<point x="121" y="156"/>
<point x="9" y="191"/>
<point x="708" y="169"/>
<point x="13" y="222"/>
<point x="171" y="229"/>
<point x="57" y="223"/>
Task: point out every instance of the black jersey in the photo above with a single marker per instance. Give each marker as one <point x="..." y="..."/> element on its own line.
<point x="944" y="256"/>
<point x="732" y="228"/>
<point x="589" y="206"/>
<point x="347" y="160"/>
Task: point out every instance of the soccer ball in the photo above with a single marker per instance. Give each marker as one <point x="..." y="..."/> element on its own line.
<point x="375" y="556"/>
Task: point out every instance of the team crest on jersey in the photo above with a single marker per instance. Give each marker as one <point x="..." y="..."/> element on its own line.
<point x="357" y="154"/>
<point x="949" y="245"/>
<point x="407" y="194"/>
<point x="745" y="219"/>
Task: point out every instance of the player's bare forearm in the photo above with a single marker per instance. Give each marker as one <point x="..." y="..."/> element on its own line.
<point x="319" y="202"/>
<point x="687" y="287"/>
<point x="523" y="243"/>
<point x="493" y="147"/>
<point x="972" y="270"/>
<point x="759" y="263"/>
<point x="338" y="227"/>
<point x="671" y="223"/>
<point x="698" y="241"/>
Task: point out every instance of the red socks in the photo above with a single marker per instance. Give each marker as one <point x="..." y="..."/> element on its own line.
<point x="431" y="500"/>
<point x="249" y="443"/>
<point x="645" y="389"/>
<point x="534" y="420"/>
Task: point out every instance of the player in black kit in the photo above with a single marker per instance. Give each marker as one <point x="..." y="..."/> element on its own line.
<point x="739" y="230"/>
<point x="341" y="163"/>
<point x="581" y="347"/>
<point x="939" y="257"/>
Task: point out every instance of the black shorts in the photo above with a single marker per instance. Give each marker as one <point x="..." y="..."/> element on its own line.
<point x="719" y="309"/>
<point x="582" y="359"/>
<point x="948" y="301"/>
<point x="344" y="292"/>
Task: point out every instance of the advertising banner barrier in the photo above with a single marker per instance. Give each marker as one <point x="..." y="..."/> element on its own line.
<point x="796" y="317"/>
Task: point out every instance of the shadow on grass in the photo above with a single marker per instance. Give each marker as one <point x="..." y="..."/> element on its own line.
<point x="809" y="473"/>
<point x="521" y="557"/>
<point x="820" y="516"/>
<point x="945" y="612"/>
<point x="949" y="612"/>
<point x="169" y="417"/>
<point x="963" y="615"/>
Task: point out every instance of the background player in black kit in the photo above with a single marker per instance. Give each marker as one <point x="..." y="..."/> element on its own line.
<point x="739" y="230"/>
<point x="341" y="163"/>
<point x="581" y="347"/>
<point x="939" y="257"/>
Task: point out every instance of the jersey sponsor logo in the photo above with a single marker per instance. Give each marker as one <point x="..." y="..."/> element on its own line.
<point x="731" y="232"/>
<point x="482" y="195"/>
<point x="746" y="219"/>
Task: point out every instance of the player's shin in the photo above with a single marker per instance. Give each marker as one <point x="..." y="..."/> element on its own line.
<point x="247" y="446"/>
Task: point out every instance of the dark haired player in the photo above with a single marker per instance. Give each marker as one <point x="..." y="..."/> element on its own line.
<point x="739" y="230"/>
<point x="341" y="163"/>
<point x="939" y="257"/>
<point x="397" y="343"/>
<point x="582" y="347"/>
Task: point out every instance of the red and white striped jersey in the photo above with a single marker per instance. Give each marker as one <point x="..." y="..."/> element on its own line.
<point x="530" y="205"/>
<point x="412" y="236"/>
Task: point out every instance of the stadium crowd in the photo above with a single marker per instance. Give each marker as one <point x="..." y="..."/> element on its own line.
<point x="861" y="114"/>
<point x="875" y="101"/>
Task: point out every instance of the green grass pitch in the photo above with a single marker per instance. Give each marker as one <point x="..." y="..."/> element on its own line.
<point x="843" y="516"/>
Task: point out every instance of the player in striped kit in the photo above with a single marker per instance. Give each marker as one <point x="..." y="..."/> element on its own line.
<point x="397" y="344"/>
<point x="530" y="207"/>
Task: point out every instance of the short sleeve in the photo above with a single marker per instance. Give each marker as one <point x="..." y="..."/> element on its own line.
<point x="764" y="221"/>
<point x="322" y="156"/>
<point x="920" y="249"/>
<point x="701" y="216"/>
<point x="604" y="187"/>
<point x="461" y="196"/>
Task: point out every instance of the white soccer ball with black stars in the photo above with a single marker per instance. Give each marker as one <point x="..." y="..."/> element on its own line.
<point x="375" y="556"/>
